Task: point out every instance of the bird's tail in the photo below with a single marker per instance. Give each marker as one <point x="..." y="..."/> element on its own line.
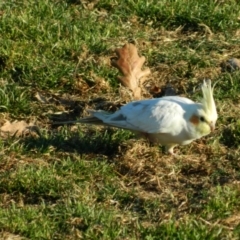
<point x="96" y="118"/>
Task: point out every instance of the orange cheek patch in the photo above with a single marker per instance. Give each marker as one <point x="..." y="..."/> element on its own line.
<point x="194" y="120"/>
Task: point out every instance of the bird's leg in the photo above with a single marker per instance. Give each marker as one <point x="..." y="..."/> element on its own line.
<point x="170" y="148"/>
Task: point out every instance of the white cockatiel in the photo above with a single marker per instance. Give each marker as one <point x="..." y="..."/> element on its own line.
<point x="169" y="121"/>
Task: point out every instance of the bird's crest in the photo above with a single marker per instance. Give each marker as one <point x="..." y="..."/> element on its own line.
<point x="208" y="100"/>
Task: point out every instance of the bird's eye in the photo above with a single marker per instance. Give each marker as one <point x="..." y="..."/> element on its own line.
<point x="202" y="119"/>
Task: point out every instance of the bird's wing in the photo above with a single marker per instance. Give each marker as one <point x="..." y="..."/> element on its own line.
<point x="150" y="116"/>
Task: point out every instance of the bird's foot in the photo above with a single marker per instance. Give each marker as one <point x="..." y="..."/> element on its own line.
<point x="171" y="152"/>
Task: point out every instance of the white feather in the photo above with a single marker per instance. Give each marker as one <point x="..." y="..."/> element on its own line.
<point x="170" y="120"/>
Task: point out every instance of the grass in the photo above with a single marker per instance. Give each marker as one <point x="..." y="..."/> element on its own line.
<point x="79" y="182"/>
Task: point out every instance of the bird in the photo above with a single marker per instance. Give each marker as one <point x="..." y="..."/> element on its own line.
<point x="168" y="121"/>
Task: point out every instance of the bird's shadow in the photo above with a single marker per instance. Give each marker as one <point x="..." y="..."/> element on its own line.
<point x="105" y="142"/>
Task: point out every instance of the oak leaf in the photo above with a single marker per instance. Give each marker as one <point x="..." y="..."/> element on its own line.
<point x="130" y="65"/>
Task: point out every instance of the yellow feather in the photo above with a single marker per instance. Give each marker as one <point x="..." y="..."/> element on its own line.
<point x="208" y="100"/>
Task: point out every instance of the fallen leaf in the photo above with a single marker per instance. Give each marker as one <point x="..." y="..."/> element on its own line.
<point x="18" y="128"/>
<point x="130" y="65"/>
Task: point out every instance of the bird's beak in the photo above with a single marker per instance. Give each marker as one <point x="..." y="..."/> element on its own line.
<point x="212" y="126"/>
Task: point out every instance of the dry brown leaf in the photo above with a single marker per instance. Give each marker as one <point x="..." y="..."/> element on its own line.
<point x="130" y="65"/>
<point x="18" y="128"/>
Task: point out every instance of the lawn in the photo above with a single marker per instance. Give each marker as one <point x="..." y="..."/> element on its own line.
<point x="91" y="182"/>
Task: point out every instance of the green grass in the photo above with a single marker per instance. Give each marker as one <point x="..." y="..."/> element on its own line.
<point x="99" y="183"/>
